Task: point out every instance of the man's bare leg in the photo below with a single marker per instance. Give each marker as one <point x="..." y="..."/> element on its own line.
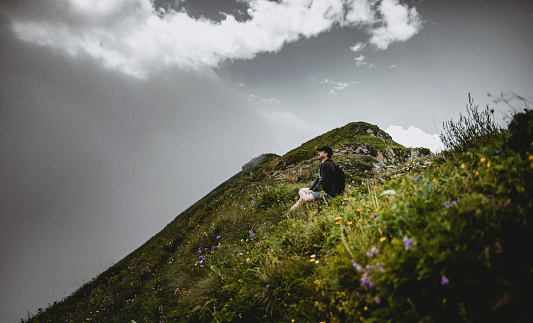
<point x="305" y="197"/>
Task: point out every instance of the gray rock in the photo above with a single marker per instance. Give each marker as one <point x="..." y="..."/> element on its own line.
<point x="255" y="161"/>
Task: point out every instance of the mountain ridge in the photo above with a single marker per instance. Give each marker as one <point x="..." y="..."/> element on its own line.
<point x="414" y="237"/>
<point x="335" y="138"/>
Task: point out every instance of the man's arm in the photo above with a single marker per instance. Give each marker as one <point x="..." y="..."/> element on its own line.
<point x="326" y="172"/>
<point x="315" y="184"/>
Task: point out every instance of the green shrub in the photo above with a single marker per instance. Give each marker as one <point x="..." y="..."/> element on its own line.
<point x="475" y="129"/>
<point x="294" y="157"/>
<point x="520" y="132"/>
<point x="279" y="194"/>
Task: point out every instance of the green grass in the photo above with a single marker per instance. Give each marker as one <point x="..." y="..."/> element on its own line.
<point x="450" y="245"/>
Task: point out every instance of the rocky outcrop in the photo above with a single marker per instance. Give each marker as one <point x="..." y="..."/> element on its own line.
<point x="357" y="148"/>
<point x="372" y="130"/>
<point x="367" y="149"/>
<point x="256" y="160"/>
<point x="386" y="155"/>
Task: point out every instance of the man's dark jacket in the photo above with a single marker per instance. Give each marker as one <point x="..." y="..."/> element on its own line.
<point x="326" y="172"/>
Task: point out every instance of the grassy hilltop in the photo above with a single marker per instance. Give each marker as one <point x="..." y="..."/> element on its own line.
<point x="415" y="238"/>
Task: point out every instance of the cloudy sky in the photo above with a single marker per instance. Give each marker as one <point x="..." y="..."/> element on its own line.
<point x="115" y="116"/>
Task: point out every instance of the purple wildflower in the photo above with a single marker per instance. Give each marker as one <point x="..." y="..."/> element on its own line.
<point x="444" y="280"/>
<point x="408" y="243"/>
<point x="366" y="282"/>
<point x="374" y="250"/>
<point x="449" y="204"/>
<point x="357" y="266"/>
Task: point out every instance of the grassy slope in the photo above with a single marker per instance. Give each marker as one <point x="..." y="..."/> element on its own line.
<point x="446" y="247"/>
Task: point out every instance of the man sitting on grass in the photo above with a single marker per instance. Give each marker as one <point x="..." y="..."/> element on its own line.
<point x="326" y="172"/>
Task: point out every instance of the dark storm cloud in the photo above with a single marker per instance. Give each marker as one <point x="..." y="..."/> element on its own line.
<point x="94" y="162"/>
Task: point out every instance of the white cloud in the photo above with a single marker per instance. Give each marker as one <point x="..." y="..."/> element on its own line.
<point x="415" y="137"/>
<point x="261" y="100"/>
<point x="131" y="36"/>
<point x="358" y="47"/>
<point x="360" y="60"/>
<point x="399" y="23"/>
<point x="337" y="86"/>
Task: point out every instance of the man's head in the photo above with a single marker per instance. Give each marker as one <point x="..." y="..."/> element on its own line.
<point x="324" y="152"/>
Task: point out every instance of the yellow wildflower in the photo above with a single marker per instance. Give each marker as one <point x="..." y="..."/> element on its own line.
<point x="349" y="223"/>
<point x="359" y="210"/>
<point x="312" y="260"/>
<point x="337" y="218"/>
<point x="530" y="157"/>
<point x="463" y="166"/>
<point x="383" y="239"/>
<point x="488" y="165"/>
<point x="338" y="222"/>
<point x="483" y="159"/>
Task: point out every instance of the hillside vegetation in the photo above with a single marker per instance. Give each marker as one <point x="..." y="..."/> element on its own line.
<point x="415" y="238"/>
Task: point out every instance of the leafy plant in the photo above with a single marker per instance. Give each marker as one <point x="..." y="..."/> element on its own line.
<point x="520" y="134"/>
<point x="474" y="129"/>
